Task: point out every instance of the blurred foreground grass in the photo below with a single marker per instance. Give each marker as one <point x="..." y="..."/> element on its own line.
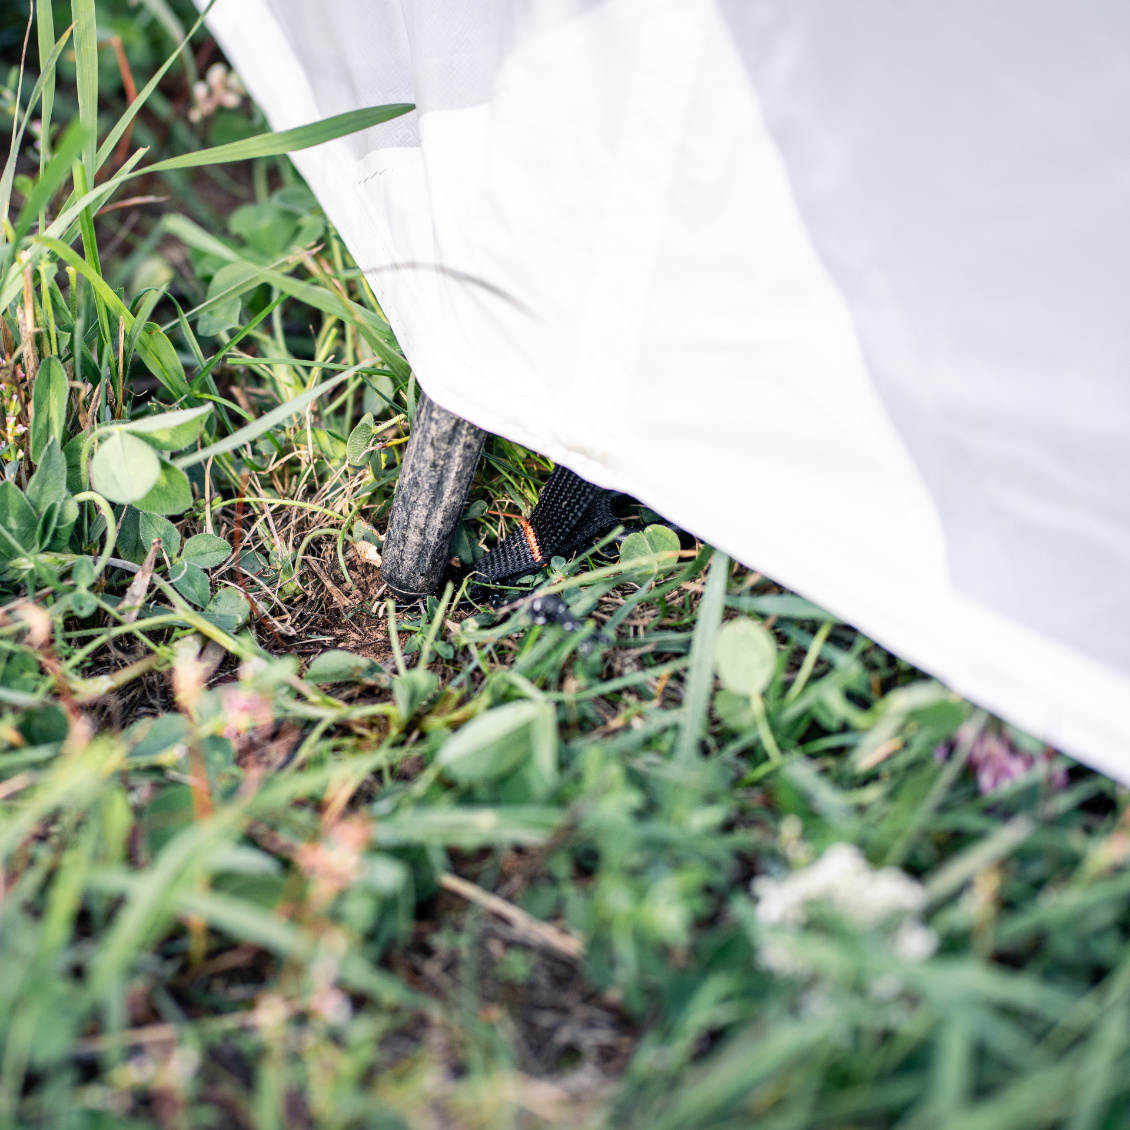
<point x="267" y="863"/>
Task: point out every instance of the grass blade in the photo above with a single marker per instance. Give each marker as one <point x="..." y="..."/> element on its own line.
<point x="375" y="331"/>
<point x="51" y="178"/>
<point x="1099" y="1077"/>
<point x="265" y="423"/>
<point x="86" y="78"/>
<point x="9" y="174"/>
<point x="174" y="383"/>
<point x="700" y="674"/>
<point x="167" y="18"/>
<point x="45" y="29"/>
<point x="62" y="227"/>
<point x="233" y="342"/>
<point x="286" y="141"/>
<point x="139" y="102"/>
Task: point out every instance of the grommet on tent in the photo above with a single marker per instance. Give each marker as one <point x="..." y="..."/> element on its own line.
<point x="439" y="464"/>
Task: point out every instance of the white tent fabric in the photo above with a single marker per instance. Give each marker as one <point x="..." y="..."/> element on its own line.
<point x="842" y="288"/>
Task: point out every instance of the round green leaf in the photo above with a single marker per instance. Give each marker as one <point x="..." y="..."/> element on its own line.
<point x="169" y="431"/>
<point x="746" y="656"/>
<point x="645" y="543"/>
<point x="379" y="391"/>
<point x="206" y="550"/>
<point x="191" y="583"/>
<point x="153" y="527"/>
<point x="491" y="745"/>
<point x="359" y="440"/>
<point x="82" y="572"/>
<point x="83" y="604"/>
<point x="341" y="667"/>
<point x="170" y="494"/>
<point x="228" y="609"/>
<point x="123" y="468"/>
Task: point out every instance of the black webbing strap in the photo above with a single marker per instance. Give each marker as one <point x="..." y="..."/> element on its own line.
<point x="570" y="515"/>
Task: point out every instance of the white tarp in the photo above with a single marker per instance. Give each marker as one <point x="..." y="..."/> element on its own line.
<point x="843" y="288"/>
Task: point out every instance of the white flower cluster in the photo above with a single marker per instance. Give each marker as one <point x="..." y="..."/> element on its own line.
<point x="843" y="880"/>
<point x="219" y="87"/>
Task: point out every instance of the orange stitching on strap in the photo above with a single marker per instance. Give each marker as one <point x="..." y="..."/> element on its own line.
<point x="531" y="540"/>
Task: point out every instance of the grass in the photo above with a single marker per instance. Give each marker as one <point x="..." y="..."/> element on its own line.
<point x="276" y="853"/>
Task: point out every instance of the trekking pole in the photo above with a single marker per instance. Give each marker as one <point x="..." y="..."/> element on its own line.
<point x="436" y="475"/>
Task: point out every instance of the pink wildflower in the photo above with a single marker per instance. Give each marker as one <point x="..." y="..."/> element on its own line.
<point x="997" y="762"/>
<point x="243" y="710"/>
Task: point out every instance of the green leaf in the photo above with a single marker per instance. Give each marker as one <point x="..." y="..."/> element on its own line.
<point x="153" y="527"/>
<point x="170" y="494"/>
<point x="411" y="690"/>
<point x="235" y="278"/>
<point x="219" y="318"/>
<point x="168" y="813"/>
<point x="155" y="735"/>
<point x="191" y="582"/>
<point x="15" y="149"/>
<point x="86" y="77"/>
<point x="285" y="141"/>
<point x="228" y="609"/>
<point x="161" y="359"/>
<point x="265" y="227"/>
<point x="700" y="675"/>
<point x="169" y="431"/>
<point x="476" y="510"/>
<point x="124" y="468"/>
<point x="646" y="543"/>
<point x="373" y="329"/>
<point x="142" y="307"/>
<point x="128" y="543"/>
<point x="46" y="725"/>
<point x="83" y="604"/>
<point x="45" y="530"/>
<point x="264" y="424"/>
<point x="11" y="283"/>
<point x="359" y="440"/>
<point x="734" y="711"/>
<point x="64" y="524"/>
<point x="378" y="394"/>
<point x="82" y="572"/>
<point x="156" y="351"/>
<point x="464" y="546"/>
<point x="491" y="745"/>
<point x="785" y="606"/>
<point x="45" y="27"/>
<point x="72" y="453"/>
<point x="468" y="827"/>
<point x="746" y="657"/>
<point x="48" y="406"/>
<point x="18" y="522"/>
<point x="49" y="483"/>
<point x="183" y="49"/>
<point x="343" y="667"/>
<point x="206" y="550"/>
<point x="52" y="178"/>
<point x="232" y="342"/>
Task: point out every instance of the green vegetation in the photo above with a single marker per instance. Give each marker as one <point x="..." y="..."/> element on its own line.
<point x="275" y="853"/>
